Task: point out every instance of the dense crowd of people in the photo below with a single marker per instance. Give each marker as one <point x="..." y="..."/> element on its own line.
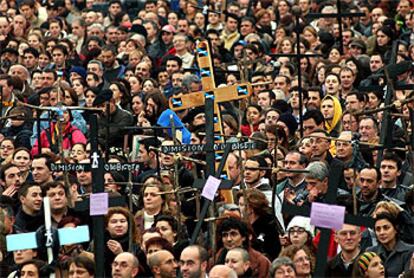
<point x="65" y="62"/>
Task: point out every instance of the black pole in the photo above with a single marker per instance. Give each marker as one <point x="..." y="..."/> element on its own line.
<point x="39" y="140"/>
<point x="97" y="187"/>
<point x="299" y="56"/>
<point x="339" y="11"/>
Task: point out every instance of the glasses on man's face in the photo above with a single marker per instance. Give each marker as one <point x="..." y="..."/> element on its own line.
<point x="296" y="230"/>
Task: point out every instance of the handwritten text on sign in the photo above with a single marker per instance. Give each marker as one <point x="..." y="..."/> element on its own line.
<point x="327" y="216"/>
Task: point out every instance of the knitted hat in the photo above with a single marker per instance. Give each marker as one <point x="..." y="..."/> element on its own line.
<point x="301" y="222"/>
<point x="365" y="259"/>
<point x="290" y="122"/>
<point x="79" y="70"/>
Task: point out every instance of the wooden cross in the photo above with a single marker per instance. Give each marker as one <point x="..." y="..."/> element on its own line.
<point x="216" y="95"/>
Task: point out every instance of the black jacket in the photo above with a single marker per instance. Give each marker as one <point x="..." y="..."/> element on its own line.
<point x="398" y="260"/>
<point x="337" y="268"/>
<point x="266" y="238"/>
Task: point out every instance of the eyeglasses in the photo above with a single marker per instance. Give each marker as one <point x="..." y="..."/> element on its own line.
<point x="298" y="231"/>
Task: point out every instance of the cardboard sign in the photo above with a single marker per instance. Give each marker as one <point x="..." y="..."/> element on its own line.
<point x="98" y="204"/>
<point x="210" y="189"/>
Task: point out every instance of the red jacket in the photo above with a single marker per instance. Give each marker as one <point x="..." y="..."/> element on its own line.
<point x="71" y="136"/>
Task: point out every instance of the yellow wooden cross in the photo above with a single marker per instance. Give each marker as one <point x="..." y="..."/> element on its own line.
<point x="220" y="95"/>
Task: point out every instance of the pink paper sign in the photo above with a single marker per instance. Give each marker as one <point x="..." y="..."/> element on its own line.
<point x="98" y="204"/>
<point x="210" y="188"/>
<point x="327" y="216"/>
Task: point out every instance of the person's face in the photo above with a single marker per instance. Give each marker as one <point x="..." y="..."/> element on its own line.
<point x="112" y="36"/>
<point x="231" y="24"/>
<point x="343" y="149"/>
<point x="6" y="148"/>
<point x="352" y="103"/>
<point x="29" y="60"/>
<point x="168" y="265"/>
<point x="280" y="84"/>
<point x="286" y="47"/>
<point x="347" y="78"/>
<point x="382" y="38"/>
<point x="309" y="126"/>
<point x="89" y="98"/>
<point x="108" y="59"/>
<point x="48" y="79"/>
<point x="152" y="200"/>
<point x="182" y="26"/>
<point x="389" y="171"/>
<point x="58" y="57"/>
<point x="78" y="271"/>
<point x="271" y="118"/>
<point x="297" y="235"/>
<point x="78" y="30"/>
<point x="93" y="67"/>
<point x="166" y="231"/>
<point x="246" y="28"/>
<point x="172" y="19"/>
<point x="117" y="225"/>
<point x="78" y="152"/>
<point x="117" y="95"/>
<point x="292" y="162"/>
<point x="385" y="232"/>
<point x="84" y="177"/>
<point x="151" y="108"/>
<point x="316" y="187"/>
<point x="327" y="109"/>
<point x="4" y="27"/>
<point x="43" y="60"/>
<point x="305" y="148"/>
<point x="137" y="105"/>
<point x="368" y="183"/>
<point x="22" y="160"/>
<point x="151" y="31"/>
<point x="373" y="101"/>
<point x="264" y="100"/>
<point x="332" y="85"/>
<point x="375" y="268"/>
<point x="13" y="177"/>
<point x="148" y="86"/>
<point x="122" y="266"/>
<point x="319" y="144"/>
<point x="143" y="70"/>
<point x="190" y="264"/>
<point x="40" y="171"/>
<point x="285" y="271"/>
<point x="21" y="256"/>
<point x="57" y="197"/>
<point x="314" y="100"/>
<point x="253" y="115"/>
<point x="375" y="63"/>
<point x="33" y="199"/>
<point x="29" y="271"/>
<point x="233" y="167"/>
<point x="232" y="239"/>
<point x="234" y="260"/>
<point x="367" y="130"/>
<point x="179" y="43"/>
<point x="302" y="263"/>
<point x="334" y="56"/>
<point x="348" y="237"/>
<point x="54" y="29"/>
<point x="252" y="172"/>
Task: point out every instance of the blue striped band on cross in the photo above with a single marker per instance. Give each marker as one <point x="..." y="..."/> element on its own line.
<point x="242" y="90"/>
<point x="202" y="51"/>
<point x="205" y="72"/>
<point x="176" y="102"/>
<point x="209" y="95"/>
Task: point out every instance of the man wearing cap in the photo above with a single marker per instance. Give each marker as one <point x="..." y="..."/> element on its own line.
<point x="357" y="47"/>
<point x="118" y="118"/>
<point x="167" y="36"/>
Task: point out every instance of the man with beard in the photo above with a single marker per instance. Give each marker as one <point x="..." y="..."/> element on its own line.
<point x="29" y="217"/>
<point x="118" y="118"/>
<point x="113" y="69"/>
<point x="162" y="264"/>
<point x="10" y="179"/>
<point x="193" y="262"/>
<point x="154" y="104"/>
